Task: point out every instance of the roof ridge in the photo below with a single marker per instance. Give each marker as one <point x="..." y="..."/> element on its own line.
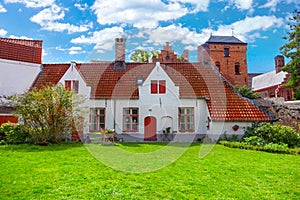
<point x="25" y="42"/>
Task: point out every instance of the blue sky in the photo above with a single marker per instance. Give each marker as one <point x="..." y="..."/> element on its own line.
<point x="78" y="30"/>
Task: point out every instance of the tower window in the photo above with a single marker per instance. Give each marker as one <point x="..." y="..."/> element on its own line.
<point x="237" y="69"/>
<point x="218" y="65"/>
<point x="226" y="51"/>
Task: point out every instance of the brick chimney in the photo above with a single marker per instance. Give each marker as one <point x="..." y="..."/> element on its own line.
<point x="120" y="49"/>
<point x="279" y="63"/>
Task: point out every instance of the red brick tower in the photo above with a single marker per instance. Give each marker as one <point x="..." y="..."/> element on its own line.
<point x="228" y="55"/>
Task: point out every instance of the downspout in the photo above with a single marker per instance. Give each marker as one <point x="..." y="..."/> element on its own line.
<point x="115" y="114"/>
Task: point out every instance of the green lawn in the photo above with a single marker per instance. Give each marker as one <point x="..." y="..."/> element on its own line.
<point x="69" y="171"/>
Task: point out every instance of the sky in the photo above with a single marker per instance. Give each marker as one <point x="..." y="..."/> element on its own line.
<point x="81" y="30"/>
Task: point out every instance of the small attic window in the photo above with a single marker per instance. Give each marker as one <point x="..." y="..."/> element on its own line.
<point x="139" y="81"/>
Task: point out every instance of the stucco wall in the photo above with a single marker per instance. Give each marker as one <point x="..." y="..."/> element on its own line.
<point x="16" y="77"/>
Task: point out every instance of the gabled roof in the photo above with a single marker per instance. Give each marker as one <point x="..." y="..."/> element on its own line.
<point x="21" y="50"/>
<point x="224" y="39"/>
<point x="194" y="81"/>
<point x="268" y="80"/>
<point x="50" y="74"/>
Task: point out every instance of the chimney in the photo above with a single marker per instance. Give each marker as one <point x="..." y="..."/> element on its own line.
<point x="120" y="49"/>
<point x="279" y="63"/>
<point x="185" y="55"/>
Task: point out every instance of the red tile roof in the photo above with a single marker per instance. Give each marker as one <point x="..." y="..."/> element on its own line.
<point x="194" y="81"/>
<point x="51" y="74"/>
<point x="21" y="50"/>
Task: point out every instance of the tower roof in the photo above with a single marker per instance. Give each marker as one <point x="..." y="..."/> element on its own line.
<point x="224" y="39"/>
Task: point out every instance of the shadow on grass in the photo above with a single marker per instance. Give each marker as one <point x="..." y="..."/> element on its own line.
<point x="37" y="148"/>
<point x="139" y="144"/>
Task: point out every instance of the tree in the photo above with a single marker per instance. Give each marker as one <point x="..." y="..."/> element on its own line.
<point x="246" y="92"/>
<point x="292" y="50"/>
<point x="48" y="113"/>
<point x="141" y="55"/>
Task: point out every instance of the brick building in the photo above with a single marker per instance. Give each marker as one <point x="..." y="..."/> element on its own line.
<point x="228" y="55"/>
<point x="271" y="84"/>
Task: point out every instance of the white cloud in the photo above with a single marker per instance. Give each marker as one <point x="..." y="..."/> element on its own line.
<point x="81" y="7"/>
<point x="2" y="9"/>
<point x="72" y="50"/>
<point x="272" y="4"/>
<point x="246" y="29"/>
<point x="239" y="4"/>
<point x="201" y="5"/>
<point x="48" y="17"/>
<point x="33" y="3"/>
<point x="175" y="33"/>
<point x="243" y="4"/>
<point x="104" y="39"/>
<point x="21" y="37"/>
<point x="138" y="13"/>
<point x="3" y="32"/>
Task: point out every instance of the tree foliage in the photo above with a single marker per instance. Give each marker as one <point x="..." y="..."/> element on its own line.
<point x="292" y="50"/>
<point x="48" y="113"/>
<point x="141" y="55"/>
<point x="246" y="92"/>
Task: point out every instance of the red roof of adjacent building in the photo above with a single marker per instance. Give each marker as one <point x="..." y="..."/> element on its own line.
<point x="50" y="74"/>
<point x="194" y="81"/>
<point x="21" y="50"/>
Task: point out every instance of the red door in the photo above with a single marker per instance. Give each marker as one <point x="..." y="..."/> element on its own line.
<point x="150" y="129"/>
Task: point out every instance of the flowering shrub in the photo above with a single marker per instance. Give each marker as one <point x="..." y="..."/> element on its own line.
<point x="13" y="133"/>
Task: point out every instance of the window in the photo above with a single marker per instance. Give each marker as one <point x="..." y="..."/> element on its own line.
<point x="226" y="51"/>
<point x="186" y="119"/>
<point x="218" y="65"/>
<point x="158" y="87"/>
<point x="72" y="85"/>
<point x="237" y="69"/>
<point x="97" y="119"/>
<point x="130" y="119"/>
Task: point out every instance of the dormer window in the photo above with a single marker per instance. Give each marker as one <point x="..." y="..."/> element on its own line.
<point x="72" y="85"/>
<point x="158" y="87"/>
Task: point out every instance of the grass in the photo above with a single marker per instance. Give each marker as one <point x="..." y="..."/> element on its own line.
<point x="69" y="171"/>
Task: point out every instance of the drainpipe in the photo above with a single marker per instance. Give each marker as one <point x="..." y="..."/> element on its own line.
<point x="115" y="114"/>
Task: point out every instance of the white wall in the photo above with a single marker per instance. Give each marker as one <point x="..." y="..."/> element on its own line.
<point x="16" y="77"/>
<point x="218" y="128"/>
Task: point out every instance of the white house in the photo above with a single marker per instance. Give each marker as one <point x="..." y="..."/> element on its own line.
<point x="142" y="100"/>
<point x="20" y="62"/>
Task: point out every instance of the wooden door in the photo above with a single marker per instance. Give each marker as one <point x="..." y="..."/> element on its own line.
<point x="150" y="129"/>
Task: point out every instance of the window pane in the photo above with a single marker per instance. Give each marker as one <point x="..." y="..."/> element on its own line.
<point x="154" y="87"/>
<point x="126" y="111"/>
<point x="75" y="86"/>
<point x="162" y="86"/>
<point x="135" y="119"/>
<point x="135" y="111"/>
<point x="68" y="85"/>
<point x="226" y="52"/>
<point x="126" y="119"/>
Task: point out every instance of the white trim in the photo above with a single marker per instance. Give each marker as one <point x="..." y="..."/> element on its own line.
<point x="6" y="114"/>
<point x="20" y="63"/>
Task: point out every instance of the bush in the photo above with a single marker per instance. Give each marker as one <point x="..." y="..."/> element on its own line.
<point x="272" y="148"/>
<point x="13" y="133"/>
<point x="274" y="133"/>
